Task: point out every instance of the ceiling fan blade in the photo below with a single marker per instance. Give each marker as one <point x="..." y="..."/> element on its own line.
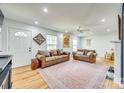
<point x="81" y="30"/>
<point x="85" y="30"/>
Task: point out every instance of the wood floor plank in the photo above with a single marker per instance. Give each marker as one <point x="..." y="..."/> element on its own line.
<point x="30" y="84"/>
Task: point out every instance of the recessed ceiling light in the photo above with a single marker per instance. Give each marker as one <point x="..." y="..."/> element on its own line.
<point x="36" y="22"/>
<point x="45" y="10"/>
<point x="108" y="30"/>
<point x="103" y="20"/>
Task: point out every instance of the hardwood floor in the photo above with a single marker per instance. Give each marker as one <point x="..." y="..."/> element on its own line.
<point x="25" y="78"/>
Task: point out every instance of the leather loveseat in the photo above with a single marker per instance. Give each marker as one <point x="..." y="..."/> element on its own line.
<point x="85" y="55"/>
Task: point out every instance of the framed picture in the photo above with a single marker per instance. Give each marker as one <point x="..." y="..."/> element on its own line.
<point x="66" y="41"/>
<point x="39" y="39"/>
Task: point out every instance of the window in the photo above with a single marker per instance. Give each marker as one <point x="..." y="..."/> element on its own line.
<point x="74" y="45"/>
<point x="51" y="42"/>
<point x="88" y="42"/>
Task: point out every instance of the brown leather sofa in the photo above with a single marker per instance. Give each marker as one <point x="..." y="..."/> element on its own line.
<point x="48" y="58"/>
<point x="85" y="55"/>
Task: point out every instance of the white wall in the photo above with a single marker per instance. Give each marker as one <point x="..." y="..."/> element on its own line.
<point x="117" y="63"/>
<point x="35" y="30"/>
<point x="0" y="41"/>
<point x="101" y="43"/>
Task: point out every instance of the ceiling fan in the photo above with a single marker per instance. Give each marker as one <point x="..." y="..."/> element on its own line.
<point x="81" y="30"/>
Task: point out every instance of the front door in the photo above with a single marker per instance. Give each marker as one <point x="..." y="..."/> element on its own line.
<point x="20" y="46"/>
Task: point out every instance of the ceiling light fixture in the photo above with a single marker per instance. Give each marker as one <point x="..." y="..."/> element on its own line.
<point x="45" y="10"/>
<point x="36" y="22"/>
<point x="103" y="20"/>
<point x="81" y="30"/>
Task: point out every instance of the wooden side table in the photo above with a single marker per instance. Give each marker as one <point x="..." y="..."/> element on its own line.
<point x="35" y="64"/>
<point x="109" y="56"/>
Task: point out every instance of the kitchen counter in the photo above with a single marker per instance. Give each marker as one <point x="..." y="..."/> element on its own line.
<point x="4" y="61"/>
<point x="5" y="72"/>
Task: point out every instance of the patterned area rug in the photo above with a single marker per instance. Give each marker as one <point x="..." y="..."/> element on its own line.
<point x="74" y="75"/>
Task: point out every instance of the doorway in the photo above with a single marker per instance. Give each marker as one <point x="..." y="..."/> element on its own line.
<point x="19" y="45"/>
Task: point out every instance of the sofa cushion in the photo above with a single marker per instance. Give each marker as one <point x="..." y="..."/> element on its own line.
<point x="50" y="58"/>
<point x="93" y="51"/>
<point x="84" y="56"/>
<point x="58" y="57"/>
<point x="77" y="55"/>
<point x="64" y="55"/>
<point x="85" y="52"/>
<point x="39" y="56"/>
<point x="54" y="52"/>
<point x="45" y="53"/>
<point x="89" y="53"/>
<point x="60" y="51"/>
<point x="80" y="53"/>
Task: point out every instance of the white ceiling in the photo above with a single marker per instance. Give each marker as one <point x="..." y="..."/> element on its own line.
<point x="61" y="17"/>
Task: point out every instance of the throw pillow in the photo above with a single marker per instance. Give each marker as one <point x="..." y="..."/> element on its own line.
<point x="89" y="53"/>
<point x="45" y="53"/>
<point x="80" y="53"/>
<point x="61" y="51"/>
<point x="54" y="52"/>
<point x="58" y="51"/>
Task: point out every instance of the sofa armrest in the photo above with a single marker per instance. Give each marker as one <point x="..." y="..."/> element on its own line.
<point x="92" y="55"/>
<point x="92" y="58"/>
<point x="95" y="54"/>
<point x="42" y="59"/>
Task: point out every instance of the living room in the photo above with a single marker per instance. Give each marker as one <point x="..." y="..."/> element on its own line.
<point x="29" y="28"/>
